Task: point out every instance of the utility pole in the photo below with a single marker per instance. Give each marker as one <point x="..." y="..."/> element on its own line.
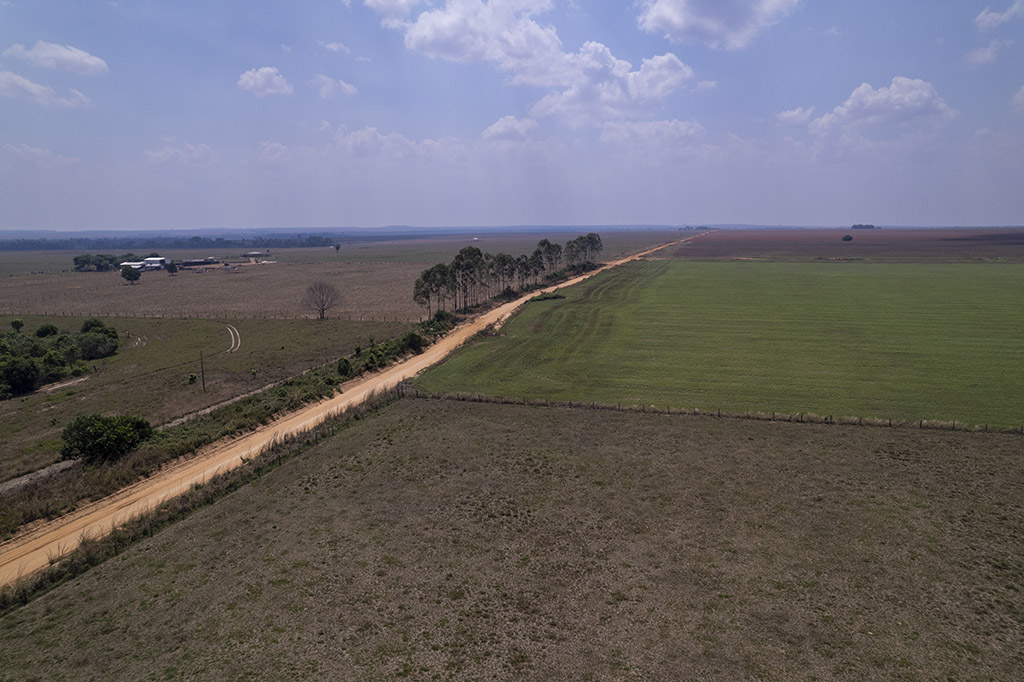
<point x="202" y="370"/>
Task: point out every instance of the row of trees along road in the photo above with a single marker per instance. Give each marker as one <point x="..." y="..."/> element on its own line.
<point x="474" y="276"/>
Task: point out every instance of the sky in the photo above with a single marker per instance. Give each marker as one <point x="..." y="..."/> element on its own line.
<point x="142" y="114"/>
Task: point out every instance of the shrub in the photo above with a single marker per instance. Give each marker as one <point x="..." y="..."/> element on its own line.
<point x="91" y="324"/>
<point x="95" y="345"/>
<point x="19" y="374"/>
<point x="97" y="439"/>
<point x="847" y="237"/>
<point x="47" y="330"/>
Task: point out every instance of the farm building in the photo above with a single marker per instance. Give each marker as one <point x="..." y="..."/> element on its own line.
<point x="134" y="265"/>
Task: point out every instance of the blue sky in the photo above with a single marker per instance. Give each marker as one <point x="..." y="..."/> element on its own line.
<point x="193" y="114"/>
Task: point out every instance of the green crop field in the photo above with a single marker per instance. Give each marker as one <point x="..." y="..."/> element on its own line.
<point x="907" y="341"/>
<point x="462" y="541"/>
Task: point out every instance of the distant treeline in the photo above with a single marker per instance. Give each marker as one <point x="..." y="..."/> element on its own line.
<point x="148" y="243"/>
<point x="474" y="276"/>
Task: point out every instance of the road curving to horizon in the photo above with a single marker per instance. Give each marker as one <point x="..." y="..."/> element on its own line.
<point x="36" y="547"/>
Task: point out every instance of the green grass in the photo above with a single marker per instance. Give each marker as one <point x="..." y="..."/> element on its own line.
<point x="905" y="342"/>
<point x="452" y="540"/>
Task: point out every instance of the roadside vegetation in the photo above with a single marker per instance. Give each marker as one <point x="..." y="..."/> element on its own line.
<point x="474" y="276"/>
<point x="113" y="452"/>
<point x="452" y="540"/>
<point x="903" y="342"/>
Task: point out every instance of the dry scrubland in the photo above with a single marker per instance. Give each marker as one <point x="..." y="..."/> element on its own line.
<point x="447" y="540"/>
<point x="149" y="374"/>
<point x="375" y="279"/>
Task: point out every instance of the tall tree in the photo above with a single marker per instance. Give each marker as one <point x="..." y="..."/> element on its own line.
<point x="130" y="274"/>
<point x="321" y="297"/>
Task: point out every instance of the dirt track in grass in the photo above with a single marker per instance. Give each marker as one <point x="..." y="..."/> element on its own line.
<point x="35" y="548"/>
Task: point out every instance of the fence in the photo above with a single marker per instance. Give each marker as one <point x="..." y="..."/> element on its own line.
<point x="800" y="417"/>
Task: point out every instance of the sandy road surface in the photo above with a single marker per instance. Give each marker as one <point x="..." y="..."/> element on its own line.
<point x="32" y="550"/>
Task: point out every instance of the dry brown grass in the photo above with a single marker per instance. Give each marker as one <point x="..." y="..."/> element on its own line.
<point x="924" y="245"/>
<point x="450" y="540"/>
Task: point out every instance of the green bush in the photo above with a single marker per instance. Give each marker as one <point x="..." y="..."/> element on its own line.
<point x="97" y="439"/>
<point x="47" y="330"/>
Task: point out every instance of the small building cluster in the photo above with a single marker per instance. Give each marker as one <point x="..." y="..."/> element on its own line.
<point x="146" y="264"/>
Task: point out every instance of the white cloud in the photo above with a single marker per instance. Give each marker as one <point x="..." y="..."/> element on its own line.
<point x="59" y="57"/>
<point x="43" y="158"/>
<point x="510" y="128"/>
<point x="604" y="87"/>
<point x="186" y="154"/>
<point x="394" y="12"/>
<point x="634" y="132"/>
<point x="706" y="85"/>
<point x="907" y="103"/>
<point x="13" y="85"/>
<point x="593" y="84"/>
<point x="272" y="151"/>
<point x="1018" y="101"/>
<point x="731" y="24"/>
<point x="798" y="116"/>
<point x="989" y="19"/>
<point x="335" y="47"/>
<point x="499" y="31"/>
<point x="266" y="80"/>
<point x="327" y="86"/>
<point x="987" y="55"/>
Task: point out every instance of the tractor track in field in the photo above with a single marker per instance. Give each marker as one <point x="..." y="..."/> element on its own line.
<point x="37" y="546"/>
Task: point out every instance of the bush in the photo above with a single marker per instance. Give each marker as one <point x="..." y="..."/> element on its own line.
<point x="847" y="237"/>
<point x="47" y="330"/>
<point x="97" y="439"/>
<point x="19" y="374"/>
<point x="91" y="324"/>
<point x="95" y="345"/>
<point x="345" y="368"/>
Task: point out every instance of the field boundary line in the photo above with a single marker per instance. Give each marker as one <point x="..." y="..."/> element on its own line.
<point x="787" y="417"/>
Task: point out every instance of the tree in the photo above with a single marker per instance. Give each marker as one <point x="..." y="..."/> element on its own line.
<point x="172" y="269"/>
<point x="130" y="274"/>
<point x="17" y="324"/>
<point x="97" y="439"/>
<point x="321" y="297"/>
<point x="847" y="237"/>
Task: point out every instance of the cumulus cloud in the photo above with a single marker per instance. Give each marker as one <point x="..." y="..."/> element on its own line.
<point x="266" y="80"/>
<point x="989" y="19"/>
<point x="634" y="132"/>
<point x="510" y="128"/>
<point x="185" y="154"/>
<point x="798" y="116"/>
<point x="592" y="84"/>
<point x="987" y="55"/>
<point x="59" y="57"/>
<point x="1018" y="101"/>
<point x="605" y="87"/>
<point x="907" y="103"/>
<point x="335" y="47"/>
<point x="731" y="24"/>
<point x="13" y="85"/>
<point x="43" y="158"/>
<point x="327" y="86"/>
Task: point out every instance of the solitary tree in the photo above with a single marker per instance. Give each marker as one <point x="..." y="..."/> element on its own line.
<point x="321" y="297"/>
<point x="172" y="269"/>
<point x="17" y="324"/>
<point x="130" y="274"/>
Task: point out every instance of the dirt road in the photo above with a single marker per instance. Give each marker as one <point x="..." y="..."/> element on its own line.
<point x="32" y="550"/>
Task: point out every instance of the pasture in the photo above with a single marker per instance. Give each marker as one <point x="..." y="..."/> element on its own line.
<point x="900" y="341"/>
<point x="149" y="374"/>
<point x="451" y="540"/>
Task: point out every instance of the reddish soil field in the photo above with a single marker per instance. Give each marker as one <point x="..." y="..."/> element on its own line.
<point x="940" y="245"/>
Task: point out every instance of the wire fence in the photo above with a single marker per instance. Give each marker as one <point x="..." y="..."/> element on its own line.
<point x="794" y="417"/>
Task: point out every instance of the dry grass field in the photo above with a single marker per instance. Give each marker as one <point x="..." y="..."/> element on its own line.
<point x="149" y="374"/>
<point x="885" y="245"/>
<point x="458" y="541"/>
<point x="375" y="279"/>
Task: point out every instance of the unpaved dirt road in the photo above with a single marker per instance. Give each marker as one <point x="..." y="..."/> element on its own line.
<point x="32" y="550"/>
